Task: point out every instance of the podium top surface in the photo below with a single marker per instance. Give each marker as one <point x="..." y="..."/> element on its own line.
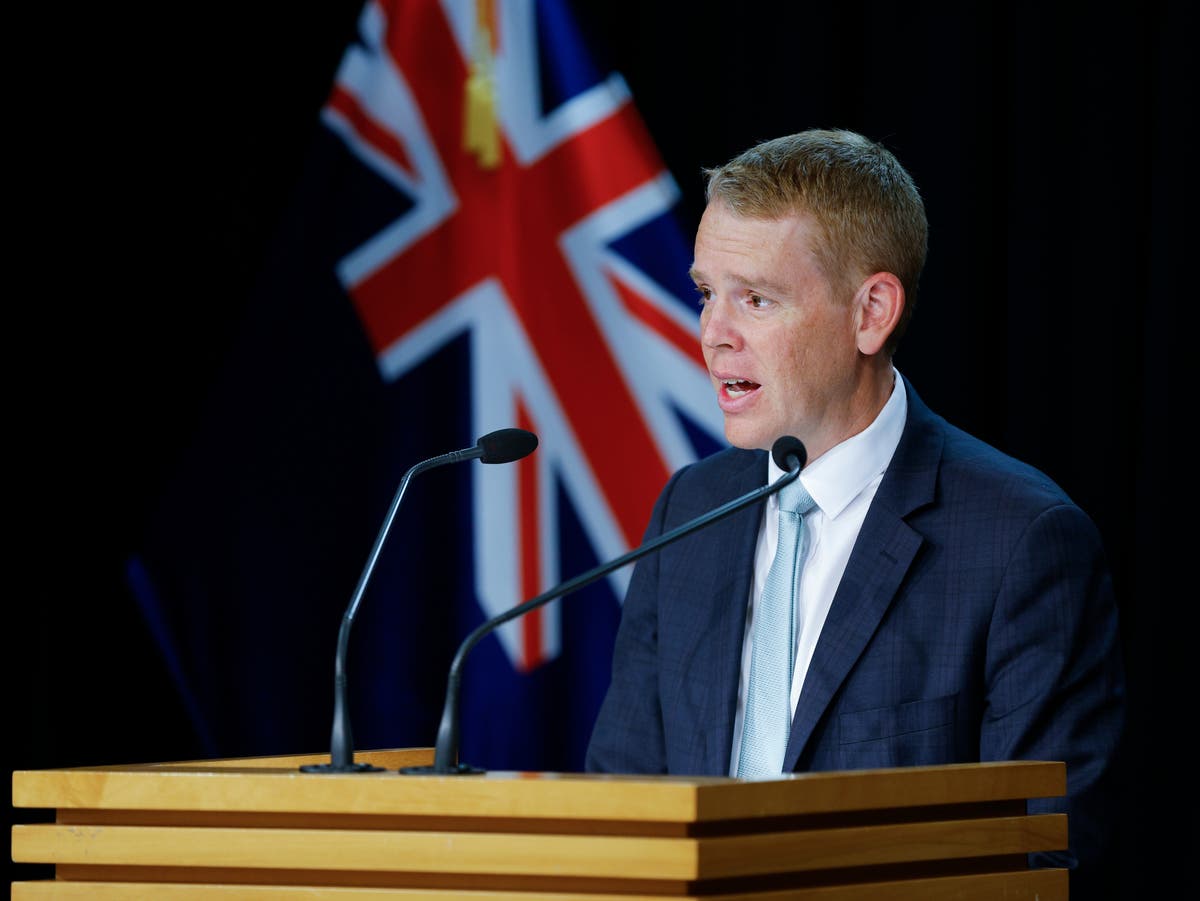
<point x="276" y="785"/>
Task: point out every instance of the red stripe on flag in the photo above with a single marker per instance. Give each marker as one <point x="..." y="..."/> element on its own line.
<point x="533" y="650"/>
<point x="646" y="312"/>
<point x="369" y="129"/>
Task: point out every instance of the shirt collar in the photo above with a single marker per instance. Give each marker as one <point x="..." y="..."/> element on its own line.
<point x="843" y="471"/>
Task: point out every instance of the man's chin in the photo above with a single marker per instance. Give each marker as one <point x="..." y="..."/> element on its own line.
<point x="747" y="439"/>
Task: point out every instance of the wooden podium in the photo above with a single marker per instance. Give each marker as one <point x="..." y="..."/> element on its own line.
<point x="260" y="829"/>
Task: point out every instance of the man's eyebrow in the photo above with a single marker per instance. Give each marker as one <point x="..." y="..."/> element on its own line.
<point x="767" y="287"/>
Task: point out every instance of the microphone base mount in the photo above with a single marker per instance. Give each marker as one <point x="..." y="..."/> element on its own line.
<point x="459" y="769"/>
<point x="343" y="768"/>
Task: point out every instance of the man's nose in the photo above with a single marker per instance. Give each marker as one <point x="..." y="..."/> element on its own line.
<point x="717" y="328"/>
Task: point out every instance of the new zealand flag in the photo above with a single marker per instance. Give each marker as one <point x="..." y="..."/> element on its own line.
<point x="484" y="238"/>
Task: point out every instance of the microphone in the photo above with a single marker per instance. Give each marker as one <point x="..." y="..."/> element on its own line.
<point x="501" y="446"/>
<point x="789" y="454"/>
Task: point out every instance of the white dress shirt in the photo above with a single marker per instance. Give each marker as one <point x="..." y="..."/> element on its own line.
<point x="842" y="481"/>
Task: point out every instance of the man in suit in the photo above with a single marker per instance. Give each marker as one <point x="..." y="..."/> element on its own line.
<point x="952" y="603"/>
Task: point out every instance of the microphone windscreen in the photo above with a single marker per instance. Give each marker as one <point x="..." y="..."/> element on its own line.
<point x="506" y="445"/>
<point x="789" y="447"/>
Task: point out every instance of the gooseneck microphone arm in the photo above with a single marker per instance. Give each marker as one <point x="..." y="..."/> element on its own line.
<point x="789" y="454"/>
<point x="501" y="446"/>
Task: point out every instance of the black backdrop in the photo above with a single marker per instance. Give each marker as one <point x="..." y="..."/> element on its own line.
<point x="155" y="150"/>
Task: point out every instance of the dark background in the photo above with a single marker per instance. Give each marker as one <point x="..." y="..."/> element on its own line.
<point x="155" y="150"/>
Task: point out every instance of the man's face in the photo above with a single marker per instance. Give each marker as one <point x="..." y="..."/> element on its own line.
<point x="780" y="347"/>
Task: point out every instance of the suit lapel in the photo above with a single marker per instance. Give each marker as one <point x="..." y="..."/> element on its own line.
<point x="882" y="555"/>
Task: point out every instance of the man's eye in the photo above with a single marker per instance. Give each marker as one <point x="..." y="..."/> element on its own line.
<point x="758" y="301"/>
<point x="703" y="294"/>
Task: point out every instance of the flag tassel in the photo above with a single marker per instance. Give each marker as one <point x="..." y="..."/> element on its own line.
<point x="481" y="130"/>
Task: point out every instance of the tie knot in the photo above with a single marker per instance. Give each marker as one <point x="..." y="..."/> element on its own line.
<point x="796" y="499"/>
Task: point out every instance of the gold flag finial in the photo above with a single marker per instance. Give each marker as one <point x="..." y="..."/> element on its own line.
<point x="481" y="130"/>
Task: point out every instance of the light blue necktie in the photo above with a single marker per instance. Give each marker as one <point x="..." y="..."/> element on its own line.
<point x="768" y="718"/>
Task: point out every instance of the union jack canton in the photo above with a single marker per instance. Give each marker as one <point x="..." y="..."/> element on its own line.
<point x="539" y="223"/>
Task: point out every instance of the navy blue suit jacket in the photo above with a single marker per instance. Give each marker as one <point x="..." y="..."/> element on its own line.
<point x="975" y="621"/>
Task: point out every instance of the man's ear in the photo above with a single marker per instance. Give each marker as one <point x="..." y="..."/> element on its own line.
<point x="879" y="302"/>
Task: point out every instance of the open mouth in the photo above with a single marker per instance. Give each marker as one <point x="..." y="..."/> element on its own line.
<point x="738" y="387"/>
